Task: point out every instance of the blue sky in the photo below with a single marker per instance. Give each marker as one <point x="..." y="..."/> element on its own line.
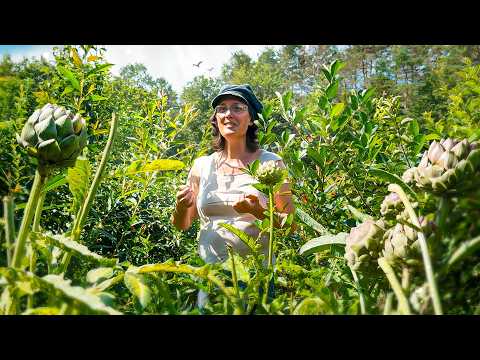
<point x="172" y="62"/>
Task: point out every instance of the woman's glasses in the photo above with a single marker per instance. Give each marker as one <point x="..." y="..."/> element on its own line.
<point x="234" y="109"/>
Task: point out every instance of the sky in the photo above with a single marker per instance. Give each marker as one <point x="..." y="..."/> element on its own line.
<point x="175" y="63"/>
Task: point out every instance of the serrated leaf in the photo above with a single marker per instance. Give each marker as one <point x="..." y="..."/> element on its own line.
<point x="308" y="220"/>
<point x="394" y="179"/>
<point x="78" y="293"/>
<point x="98" y="274"/>
<point x="243" y="236"/>
<point x="104" y="285"/>
<point x="321" y="243"/>
<point x="138" y="286"/>
<point x="77" y="249"/>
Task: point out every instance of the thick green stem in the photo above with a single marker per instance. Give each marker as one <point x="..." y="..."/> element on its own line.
<point x="36" y="190"/>
<point x="96" y="181"/>
<point x="35" y="228"/>
<point x="270" y="242"/>
<point x="423" y="246"/>
<point x="9" y="213"/>
<point x="442" y="214"/>
<point x="363" y="308"/>
<point x="234" y="272"/>
<point x="397" y="288"/>
<point x="80" y="221"/>
<point x="387" y="310"/>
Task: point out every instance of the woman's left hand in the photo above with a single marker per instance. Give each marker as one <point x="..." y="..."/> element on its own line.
<point x="249" y="204"/>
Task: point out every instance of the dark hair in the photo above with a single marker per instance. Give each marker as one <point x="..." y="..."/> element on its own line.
<point x="218" y="142"/>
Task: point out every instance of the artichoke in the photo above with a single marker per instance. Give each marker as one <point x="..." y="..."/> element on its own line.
<point x="446" y="165"/>
<point x="54" y="136"/>
<point x="401" y="241"/>
<point x="390" y="205"/>
<point x="363" y="244"/>
<point x="270" y="174"/>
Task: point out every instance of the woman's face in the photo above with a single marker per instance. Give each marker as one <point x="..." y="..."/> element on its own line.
<point x="233" y="118"/>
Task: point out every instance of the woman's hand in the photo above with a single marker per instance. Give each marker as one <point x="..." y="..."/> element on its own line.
<point x="185" y="198"/>
<point x="249" y="204"/>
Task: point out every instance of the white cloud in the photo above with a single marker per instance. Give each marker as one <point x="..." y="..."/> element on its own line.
<point x="175" y="62"/>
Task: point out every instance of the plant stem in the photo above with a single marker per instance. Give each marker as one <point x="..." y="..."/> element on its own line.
<point x="234" y="272"/>
<point x="80" y="221"/>
<point x="397" y="289"/>
<point x="423" y="245"/>
<point x="35" y="191"/>
<point x="96" y="181"/>
<point x="35" y="228"/>
<point x="270" y="242"/>
<point x="363" y="308"/>
<point x="405" y="278"/>
<point x="9" y="213"/>
<point x="388" y="304"/>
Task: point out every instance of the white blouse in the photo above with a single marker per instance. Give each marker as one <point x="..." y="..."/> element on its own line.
<point x="216" y="195"/>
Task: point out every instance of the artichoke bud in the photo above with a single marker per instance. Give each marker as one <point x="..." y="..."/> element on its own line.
<point x="59" y="112"/>
<point x="69" y="145"/>
<point x="435" y="151"/>
<point x="474" y="159"/>
<point x="64" y="126"/>
<point x="54" y="136"/>
<point x="424" y="161"/>
<point x="269" y="174"/>
<point x="49" y="151"/>
<point x="46" y="113"/>
<point x="82" y="138"/>
<point x="46" y="129"/>
<point x="33" y="119"/>
<point x="28" y="134"/>
<point x="390" y="203"/>
<point x="449" y="143"/>
<point x="462" y="149"/>
<point x="408" y="175"/>
<point x="448" y="160"/>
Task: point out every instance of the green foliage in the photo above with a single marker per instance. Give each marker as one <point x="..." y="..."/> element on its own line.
<point x="346" y="121"/>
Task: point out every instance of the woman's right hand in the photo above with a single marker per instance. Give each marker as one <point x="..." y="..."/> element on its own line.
<point x="185" y="198"/>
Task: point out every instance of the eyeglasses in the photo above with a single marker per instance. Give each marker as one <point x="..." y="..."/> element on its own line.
<point x="235" y="109"/>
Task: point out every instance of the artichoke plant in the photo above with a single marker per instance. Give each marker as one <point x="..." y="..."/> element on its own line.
<point x="363" y="244"/>
<point x="445" y="165"/>
<point x="54" y="136"/>
<point x="390" y="205"/>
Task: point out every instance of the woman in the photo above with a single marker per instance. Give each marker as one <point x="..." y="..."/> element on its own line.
<point x="217" y="189"/>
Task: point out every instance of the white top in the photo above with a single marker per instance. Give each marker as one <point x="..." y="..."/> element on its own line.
<point x="216" y="195"/>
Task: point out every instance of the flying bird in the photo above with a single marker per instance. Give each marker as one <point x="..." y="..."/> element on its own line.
<point x="210" y="69"/>
<point x="198" y="64"/>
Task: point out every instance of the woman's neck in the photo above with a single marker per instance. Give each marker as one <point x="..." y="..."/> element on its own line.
<point x="235" y="149"/>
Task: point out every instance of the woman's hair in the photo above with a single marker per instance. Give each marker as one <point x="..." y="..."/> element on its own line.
<point x="218" y="142"/>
